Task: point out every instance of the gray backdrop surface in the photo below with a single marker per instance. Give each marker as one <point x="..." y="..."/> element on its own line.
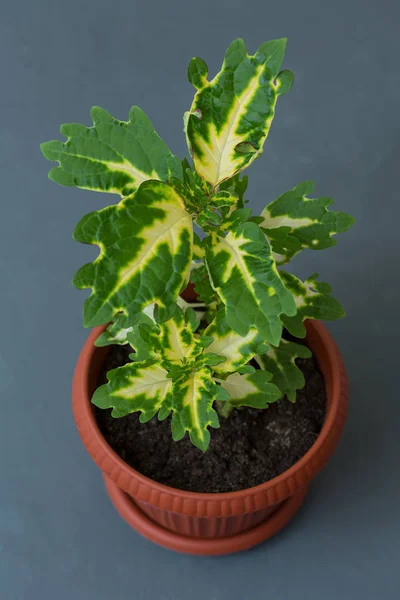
<point x="60" y="537"/>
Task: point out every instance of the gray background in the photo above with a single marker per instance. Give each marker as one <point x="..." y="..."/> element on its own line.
<point x="60" y="536"/>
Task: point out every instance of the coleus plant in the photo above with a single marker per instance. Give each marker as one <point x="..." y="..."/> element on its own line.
<point x="197" y="362"/>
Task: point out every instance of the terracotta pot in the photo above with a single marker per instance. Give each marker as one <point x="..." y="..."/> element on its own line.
<point x="200" y="523"/>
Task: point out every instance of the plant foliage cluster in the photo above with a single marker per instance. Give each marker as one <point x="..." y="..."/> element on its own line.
<point x="188" y="361"/>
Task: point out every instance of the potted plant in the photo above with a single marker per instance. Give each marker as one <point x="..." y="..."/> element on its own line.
<point x="197" y="334"/>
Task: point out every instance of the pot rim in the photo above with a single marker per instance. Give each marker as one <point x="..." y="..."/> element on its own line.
<point x="202" y="503"/>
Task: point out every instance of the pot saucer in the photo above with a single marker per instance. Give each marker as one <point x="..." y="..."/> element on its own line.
<point x="129" y="511"/>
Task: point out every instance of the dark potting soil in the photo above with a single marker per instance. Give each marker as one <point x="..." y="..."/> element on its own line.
<point x="251" y="446"/>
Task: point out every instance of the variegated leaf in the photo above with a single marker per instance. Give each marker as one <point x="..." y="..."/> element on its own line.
<point x="231" y="115"/>
<point x="172" y="342"/>
<point x="193" y="189"/>
<point x="116" y="333"/>
<point x="235" y="218"/>
<point x="254" y="389"/>
<point x="119" y="329"/>
<point x="236" y="185"/>
<point x="136" y="387"/>
<point x="313" y="300"/>
<point x="144" y="348"/>
<point x="147" y="234"/>
<point x="293" y="222"/>
<point x="177" y="341"/>
<point x="244" y="274"/>
<point x="224" y="199"/>
<point x="193" y="398"/>
<point x="112" y="156"/>
<point x="236" y="349"/>
<point x="198" y="250"/>
<point x="281" y="363"/>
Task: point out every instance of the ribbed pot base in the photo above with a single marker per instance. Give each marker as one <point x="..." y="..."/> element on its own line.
<point x="128" y="510"/>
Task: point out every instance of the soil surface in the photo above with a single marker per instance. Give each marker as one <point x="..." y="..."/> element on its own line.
<point x="251" y="446"/>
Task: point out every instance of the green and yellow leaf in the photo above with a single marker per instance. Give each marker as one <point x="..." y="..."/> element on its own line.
<point x="112" y="156"/>
<point x="178" y="343"/>
<point x="236" y="185"/>
<point x="147" y="234"/>
<point x="224" y="198"/>
<point x="193" y="189"/>
<point x="119" y="329"/>
<point x="172" y="342"/>
<point x="171" y="374"/>
<point x="193" y="398"/>
<point x="293" y="222"/>
<point x="231" y="115"/>
<point x="235" y="218"/>
<point x="281" y="363"/>
<point x="198" y="250"/>
<point x="136" y="387"/>
<point x="313" y="300"/>
<point x="143" y="338"/>
<point x="243" y="272"/>
<point x="116" y="333"/>
<point x="254" y="389"/>
<point x="236" y="349"/>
